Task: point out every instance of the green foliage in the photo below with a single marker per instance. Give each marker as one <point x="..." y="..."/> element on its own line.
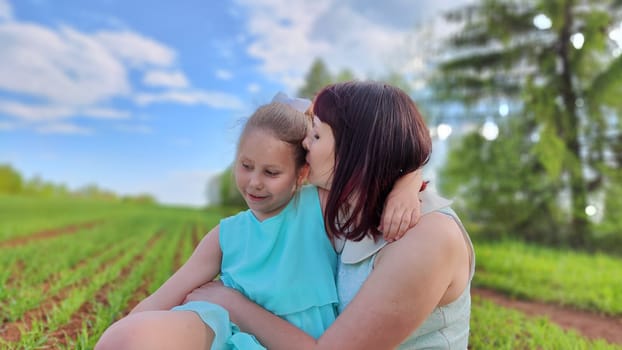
<point x="506" y="190"/>
<point x="607" y="231"/>
<point x="229" y="194"/>
<point x="10" y="180"/>
<point x="567" y="99"/>
<point x="317" y="77"/>
<point x="549" y="150"/>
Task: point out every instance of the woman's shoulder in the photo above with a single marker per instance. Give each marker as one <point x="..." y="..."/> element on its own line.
<point x="435" y="233"/>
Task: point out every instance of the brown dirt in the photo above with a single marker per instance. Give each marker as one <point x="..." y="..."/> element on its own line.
<point x="589" y="324"/>
<point x="46" y="234"/>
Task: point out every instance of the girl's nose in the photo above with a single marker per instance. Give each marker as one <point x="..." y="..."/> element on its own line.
<point x="255" y="181"/>
<point x="305" y="143"/>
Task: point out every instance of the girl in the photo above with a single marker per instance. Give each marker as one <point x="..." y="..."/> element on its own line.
<point x="275" y="253"/>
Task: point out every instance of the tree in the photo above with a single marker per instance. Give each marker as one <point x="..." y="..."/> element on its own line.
<point x="10" y="180"/>
<point x="317" y="77"/>
<point x="229" y="194"/>
<point x="554" y="63"/>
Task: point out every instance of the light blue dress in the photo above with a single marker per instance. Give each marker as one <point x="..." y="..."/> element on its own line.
<point x="447" y="327"/>
<point x="285" y="263"/>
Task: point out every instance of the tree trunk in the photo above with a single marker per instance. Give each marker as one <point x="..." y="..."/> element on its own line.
<point x="570" y="134"/>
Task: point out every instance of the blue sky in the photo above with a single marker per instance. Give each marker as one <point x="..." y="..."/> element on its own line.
<point x="148" y="96"/>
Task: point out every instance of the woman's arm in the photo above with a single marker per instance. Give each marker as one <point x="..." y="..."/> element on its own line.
<point x="272" y="331"/>
<point x="202" y="267"/>
<point x="409" y="279"/>
<point x="402" y="207"/>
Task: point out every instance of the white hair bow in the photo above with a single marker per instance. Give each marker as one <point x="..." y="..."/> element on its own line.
<point x="299" y="104"/>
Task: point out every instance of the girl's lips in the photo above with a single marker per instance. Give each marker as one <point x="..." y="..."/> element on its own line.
<point x="255" y="198"/>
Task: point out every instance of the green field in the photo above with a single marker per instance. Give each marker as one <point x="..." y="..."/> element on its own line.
<point x="71" y="267"/>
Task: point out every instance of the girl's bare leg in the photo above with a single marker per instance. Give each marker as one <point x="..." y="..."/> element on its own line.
<point x="157" y="330"/>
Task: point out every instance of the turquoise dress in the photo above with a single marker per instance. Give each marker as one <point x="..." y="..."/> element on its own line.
<point x="447" y="327"/>
<point x="285" y="263"/>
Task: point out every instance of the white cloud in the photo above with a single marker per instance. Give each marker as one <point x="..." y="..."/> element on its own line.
<point x="282" y="33"/>
<point x="64" y="66"/>
<point x="105" y="113"/>
<point x="57" y="74"/>
<point x="136" y="49"/>
<point x="7" y="126"/>
<point x="63" y="128"/>
<point x="368" y="37"/>
<point x="55" y="112"/>
<point x="194" y="97"/>
<point x="6" y="11"/>
<point x="35" y="113"/>
<point x="253" y="88"/>
<point x="224" y="74"/>
<point x="165" y="79"/>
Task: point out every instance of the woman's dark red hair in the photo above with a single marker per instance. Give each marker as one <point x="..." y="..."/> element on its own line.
<point x="379" y="136"/>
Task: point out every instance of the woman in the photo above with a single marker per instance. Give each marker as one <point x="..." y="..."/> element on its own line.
<point x="412" y="293"/>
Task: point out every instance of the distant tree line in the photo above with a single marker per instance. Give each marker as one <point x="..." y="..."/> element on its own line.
<point x="13" y="183"/>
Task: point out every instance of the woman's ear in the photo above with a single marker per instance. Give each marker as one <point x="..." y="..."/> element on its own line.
<point x="302" y="175"/>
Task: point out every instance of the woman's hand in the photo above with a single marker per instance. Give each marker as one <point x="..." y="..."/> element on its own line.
<point x="402" y="208"/>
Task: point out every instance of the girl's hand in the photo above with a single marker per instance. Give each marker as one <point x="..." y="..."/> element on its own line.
<point x="402" y="209"/>
<point x="214" y="292"/>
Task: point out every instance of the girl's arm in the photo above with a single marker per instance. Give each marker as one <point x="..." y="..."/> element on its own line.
<point x="271" y="330"/>
<point x="202" y="267"/>
<point x="409" y="279"/>
<point x="402" y="208"/>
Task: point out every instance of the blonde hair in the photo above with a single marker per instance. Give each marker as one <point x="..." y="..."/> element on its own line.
<point x="284" y="123"/>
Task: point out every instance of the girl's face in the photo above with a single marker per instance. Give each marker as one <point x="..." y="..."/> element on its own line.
<point x="265" y="173"/>
<point x="320" y="146"/>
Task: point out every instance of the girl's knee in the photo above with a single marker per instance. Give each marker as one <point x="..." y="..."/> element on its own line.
<point x="130" y="332"/>
<point x="157" y="330"/>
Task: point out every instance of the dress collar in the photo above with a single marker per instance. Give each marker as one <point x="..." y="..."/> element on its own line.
<point x="353" y="252"/>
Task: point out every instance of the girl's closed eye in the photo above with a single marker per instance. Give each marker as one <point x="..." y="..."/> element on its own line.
<point x="272" y="173"/>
